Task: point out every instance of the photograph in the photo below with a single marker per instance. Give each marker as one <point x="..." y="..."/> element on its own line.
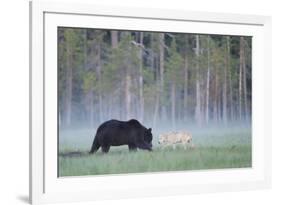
<point x="132" y="101"/>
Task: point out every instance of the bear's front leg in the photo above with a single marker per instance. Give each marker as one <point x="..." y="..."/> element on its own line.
<point x="132" y="147"/>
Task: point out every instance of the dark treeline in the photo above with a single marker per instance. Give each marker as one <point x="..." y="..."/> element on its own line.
<point x="153" y="77"/>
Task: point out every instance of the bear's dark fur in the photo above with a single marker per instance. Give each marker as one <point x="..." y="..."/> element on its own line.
<point x="116" y="133"/>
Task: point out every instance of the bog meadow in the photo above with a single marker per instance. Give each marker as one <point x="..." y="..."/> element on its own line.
<point x="200" y="83"/>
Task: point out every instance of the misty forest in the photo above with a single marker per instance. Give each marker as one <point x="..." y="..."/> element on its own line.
<point x="198" y="83"/>
<point x="153" y="77"/>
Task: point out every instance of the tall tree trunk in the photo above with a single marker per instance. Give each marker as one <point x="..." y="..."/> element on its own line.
<point x="117" y="106"/>
<point x="208" y="81"/>
<point x="85" y="49"/>
<point x="128" y="95"/>
<point x="61" y="68"/>
<point x="114" y="39"/>
<point x="215" y="104"/>
<point x="98" y="60"/>
<point x="156" y="108"/>
<point x="198" y="91"/>
<point x="68" y="97"/>
<point x="91" y="107"/>
<point x="141" y="98"/>
<point x="224" y="99"/>
<point x="224" y="93"/>
<point x="229" y="79"/>
<point x="89" y="95"/>
<point x="161" y="65"/>
<point x="245" y="83"/>
<point x="173" y="104"/>
<point x="185" y="88"/>
<point x="240" y="77"/>
<point x="219" y="105"/>
<point x="157" y="93"/>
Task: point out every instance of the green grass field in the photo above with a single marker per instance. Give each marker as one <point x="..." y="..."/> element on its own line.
<point x="213" y="150"/>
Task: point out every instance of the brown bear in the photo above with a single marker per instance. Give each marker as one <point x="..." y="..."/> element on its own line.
<point x="116" y="133"/>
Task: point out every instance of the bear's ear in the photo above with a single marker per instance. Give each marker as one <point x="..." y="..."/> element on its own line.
<point x="149" y="129"/>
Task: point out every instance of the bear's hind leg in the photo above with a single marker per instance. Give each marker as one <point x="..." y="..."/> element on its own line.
<point x="95" y="147"/>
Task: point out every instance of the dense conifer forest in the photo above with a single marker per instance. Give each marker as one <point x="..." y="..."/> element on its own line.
<point x="153" y="77"/>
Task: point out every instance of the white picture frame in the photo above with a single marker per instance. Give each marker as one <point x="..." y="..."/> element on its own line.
<point x="46" y="187"/>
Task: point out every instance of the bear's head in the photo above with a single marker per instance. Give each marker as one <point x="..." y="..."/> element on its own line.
<point x="148" y="136"/>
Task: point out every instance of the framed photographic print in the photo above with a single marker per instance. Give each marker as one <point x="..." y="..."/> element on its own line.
<point x="130" y="102"/>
